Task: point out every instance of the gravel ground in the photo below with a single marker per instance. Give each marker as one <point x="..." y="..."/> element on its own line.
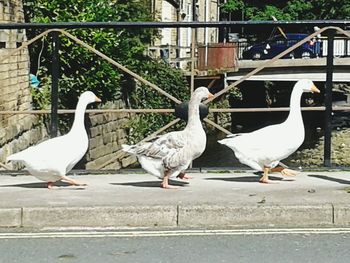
<point x="314" y="157"/>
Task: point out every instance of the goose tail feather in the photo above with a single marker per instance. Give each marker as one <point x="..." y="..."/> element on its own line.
<point x="128" y="148"/>
<point x="14" y="157"/>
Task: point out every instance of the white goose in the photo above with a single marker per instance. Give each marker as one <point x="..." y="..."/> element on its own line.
<point x="170" y="154"/>
<point x="263" y="149"/>
<point x="50" y="160"/>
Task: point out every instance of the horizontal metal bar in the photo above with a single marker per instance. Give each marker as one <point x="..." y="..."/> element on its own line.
<point x="115" y="157"/>
<point x="223" y="110"/>
<point x="91" y="111"/>
<point x="120" y="66"/>
<point x="279" y="109"/>
<point x="217" y="126"/>
<point x="70" y="25"/>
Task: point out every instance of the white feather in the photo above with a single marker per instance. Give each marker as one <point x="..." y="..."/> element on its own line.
<point x="52" y="159"/>
<point x="267" y="146"/>
<point x="174" y="151"/>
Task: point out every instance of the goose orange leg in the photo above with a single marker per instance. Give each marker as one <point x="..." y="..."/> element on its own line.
<point x="165" y="182"/>
<point x="265" y="178"/>
<point x="49" y="185"/>
<point x="284" y="171"/>
<point x="184" y="176"/>
<point x="72" y="182"/>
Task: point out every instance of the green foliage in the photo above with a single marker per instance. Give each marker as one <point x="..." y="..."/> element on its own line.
<point x="287" y="10"/>
<point x="331" y="9"/>
<point x="235" y="93"/>
<point x="170" y="80"/>
<point x="42" y="96"/>
<point x="82" y="70"/>
<point x="232" y="6"/>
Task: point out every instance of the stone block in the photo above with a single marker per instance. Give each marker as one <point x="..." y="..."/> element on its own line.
<point x="128" y="161"/>
<point x="23" y="65"/>
<point x="128" y="216"/>
<point x="107" y="128"/>
<point x="108" y="138"/>
<point x="272" y="215"/>
<point x="113" y="116"/>
<point x="22" y="72"/>
<point x="10" y="217"/>
<point x="124" y="115"/>
<point x="4" y="36"/>
<point x="24" y="106"/>
<point x="4" y="75"/>
<point x="13" y="74"/>
<point x="97" y="162"/>
<point x="123" y="122"/>
<point x="13" y="81"/>
<point x="122" y="141"/>
<point x="121" y="133"/>
<point x="95" y="131"/>
<point x="13" y="66"/>
<point x="113" y="166"/>
<point x="14" y="59"/>
<point x="100" y="151"/>
<point x="95" y="142"/>
<point x="4" y="67"/>
<point x="342" y="214"/>
<point x="5" y="82"/>
<point x="97" y="119"/>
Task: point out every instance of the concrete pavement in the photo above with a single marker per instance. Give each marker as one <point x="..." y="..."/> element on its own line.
<point x="212" y="199"/>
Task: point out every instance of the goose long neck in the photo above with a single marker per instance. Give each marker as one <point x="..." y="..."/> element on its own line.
<point x="295" y="108"/>
<point x="78" y="123"/>
<point x="193" y="113"/>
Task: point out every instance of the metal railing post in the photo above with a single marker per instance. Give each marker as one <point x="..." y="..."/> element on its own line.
<point x="328" y="99"/>
<point x="54" y="85"/>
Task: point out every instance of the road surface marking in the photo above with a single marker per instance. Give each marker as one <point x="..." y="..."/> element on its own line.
<point x="169" y="233"/>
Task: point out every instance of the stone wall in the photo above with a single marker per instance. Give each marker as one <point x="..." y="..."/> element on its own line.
<point x="17" y="132"/>
<point x="207" y="14"/>
<point x="107" y="133"/>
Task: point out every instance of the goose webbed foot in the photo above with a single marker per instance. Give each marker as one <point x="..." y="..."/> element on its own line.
<point x="284" y="171"/>
<point x="50" y="185"/>
<point x="184" y="176"/>
<point x="72" y="182"/>
<point x="165" y="183"/>
<point x="168" y="186"/>
<point x="289" y="172"/>
<point x="265" y="178"/>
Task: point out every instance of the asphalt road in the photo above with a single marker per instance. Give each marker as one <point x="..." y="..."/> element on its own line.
<point x="314" y="245"/>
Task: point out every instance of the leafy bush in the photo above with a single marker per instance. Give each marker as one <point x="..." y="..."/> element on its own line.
<point x="287" y="10"/>
<point x="82" y="70"/>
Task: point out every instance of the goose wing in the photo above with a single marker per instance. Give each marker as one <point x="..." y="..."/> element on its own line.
<point x="60" y="153"/>
<point x="161" y="146"/>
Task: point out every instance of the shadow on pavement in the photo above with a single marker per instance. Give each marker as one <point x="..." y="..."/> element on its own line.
<point x="325" y="177"/>
<point x="150" y="183"/>
<point x="44" y="185"/>
<point x="244" y="179"/>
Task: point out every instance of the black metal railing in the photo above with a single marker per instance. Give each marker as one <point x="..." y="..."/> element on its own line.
<point x="234" y="25"/>
<point x="318" y="48"/>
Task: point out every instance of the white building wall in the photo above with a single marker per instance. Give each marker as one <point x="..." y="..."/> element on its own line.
<point x="207" y="10"/>
<point x="166" y="17"/>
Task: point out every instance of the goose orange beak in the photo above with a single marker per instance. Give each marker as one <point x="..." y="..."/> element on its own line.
<point x="314" y="89"/>
<point x="97" y="99"/>
<point x="210" y="95"/>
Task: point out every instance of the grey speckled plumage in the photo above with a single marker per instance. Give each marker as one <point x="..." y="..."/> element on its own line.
<point x="174" y="151"/>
